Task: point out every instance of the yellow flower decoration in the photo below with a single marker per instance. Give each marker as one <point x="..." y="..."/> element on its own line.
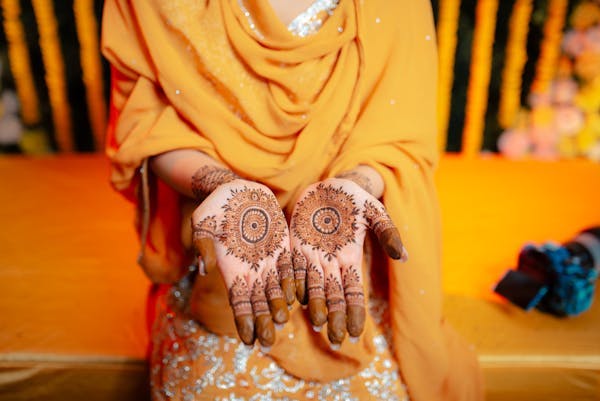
<point x="587" y="65"/>
<point x="588" y="97"/>
<point x="542" y="116"/>
<point x="567" y="147"/>
<point x="516" y="57"/>
<point x="585" y="15"/>
<point x="586" y="138"/>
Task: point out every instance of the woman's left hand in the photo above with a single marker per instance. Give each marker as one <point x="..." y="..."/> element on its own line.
<point x="328" y="228"/>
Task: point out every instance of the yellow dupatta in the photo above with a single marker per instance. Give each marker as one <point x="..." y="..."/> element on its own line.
<point x="288" y="111"/>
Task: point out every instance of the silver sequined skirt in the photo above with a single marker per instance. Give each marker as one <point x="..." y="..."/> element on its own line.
<point x="189" y="363"/>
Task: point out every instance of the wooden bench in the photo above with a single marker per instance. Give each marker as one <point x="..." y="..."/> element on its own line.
<point x="72" y="309"/>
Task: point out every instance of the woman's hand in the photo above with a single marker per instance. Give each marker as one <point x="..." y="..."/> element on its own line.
<point x="240" y="229"/>
<point x="328" y="228"/>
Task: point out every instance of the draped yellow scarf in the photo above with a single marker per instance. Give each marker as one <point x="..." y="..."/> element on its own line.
<point x="226" y="77"/>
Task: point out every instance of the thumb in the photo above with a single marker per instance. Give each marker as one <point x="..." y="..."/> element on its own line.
<point x="385" y="230"/>
<point x="203" y="242"/>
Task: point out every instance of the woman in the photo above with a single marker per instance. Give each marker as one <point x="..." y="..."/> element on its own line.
<point x="246" y="115"/>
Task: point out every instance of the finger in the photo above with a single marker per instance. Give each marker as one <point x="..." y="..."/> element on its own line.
<point x="336" y="307"/>
<point x="385" y="230"/>
<point x="203" y="234"/>
<point x="239" y="299"/>
<point x="285" y="268"/>
<point x="299" y="262"/>
<point x="277" y="305"/>
<point x="392" y="244"/>
<point x="355" y="300"/>
<point x="317" y="308"/>
<point x="263" y="324"/>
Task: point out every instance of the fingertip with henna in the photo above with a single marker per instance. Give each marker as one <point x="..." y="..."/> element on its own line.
<point x="279" y="310"/>
<point x="317" y="310"/>
<point x="392" y="244"/>
<point x="355" y="320"/>
<point x="289" y="290"/>
<point x="265" y="330"/>
<point x="336" y="327"/>
<point x="301" y="293"/>
<point x="245" y="328"/>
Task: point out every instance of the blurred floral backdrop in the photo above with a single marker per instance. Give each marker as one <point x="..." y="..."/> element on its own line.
<point x="517" y="76"/>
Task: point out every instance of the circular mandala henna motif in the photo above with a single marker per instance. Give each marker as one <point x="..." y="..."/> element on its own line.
<point x="253" y="227"/>
<point x="326" y="219"/>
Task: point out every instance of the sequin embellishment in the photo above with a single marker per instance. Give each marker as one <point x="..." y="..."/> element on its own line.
<point x="189" y="363"/>
<point x="305" y="24"/>
<point x="309" y="22"/>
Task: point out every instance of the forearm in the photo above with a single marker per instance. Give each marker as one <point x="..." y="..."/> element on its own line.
<point x="367" y="178"/>
<point x="190" y="172"/>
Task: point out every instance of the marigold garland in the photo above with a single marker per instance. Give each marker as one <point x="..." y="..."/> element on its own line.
<point x="20" y="63"/>
<point x="550" y="47"/>
<point x="449" y="12"/>
<point x="92" y="70"/>
<point x="516" y="57"/>
<point x="55" y="75"/>
<point x="480" y="71"/>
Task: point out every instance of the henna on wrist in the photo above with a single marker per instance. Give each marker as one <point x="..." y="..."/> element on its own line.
<point x="209" y="177"/>
<point x="360" y="179"/>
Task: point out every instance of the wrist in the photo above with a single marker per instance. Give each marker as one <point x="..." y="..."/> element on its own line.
<point x="207" y="178"/>
<point x="357" y="178"/>
<point x="365" y="177"/>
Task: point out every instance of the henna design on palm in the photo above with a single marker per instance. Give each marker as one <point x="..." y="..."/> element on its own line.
<point x="325" y="219"/>
<point x="328" y="224"/>
<point x="253" y="227"/>
<point x="209" y="177"/>
<point x="361" y="180"/>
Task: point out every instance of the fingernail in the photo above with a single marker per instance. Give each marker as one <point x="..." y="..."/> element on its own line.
<point x="264" y="349"/>
<point x="404" y="257"/>
<point x="353" y="340"/>
<point x="278" y="326"/>
<point x="289" y="307"/>
<point x="335" y="347"/>
<point x="201" y="268"/>
<point x="317" y="328"/>
<point x="303" y="306"/>
<point x="249" y="347"/>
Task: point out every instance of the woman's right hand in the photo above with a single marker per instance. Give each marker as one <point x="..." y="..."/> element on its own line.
<point x="240" y="229"/>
